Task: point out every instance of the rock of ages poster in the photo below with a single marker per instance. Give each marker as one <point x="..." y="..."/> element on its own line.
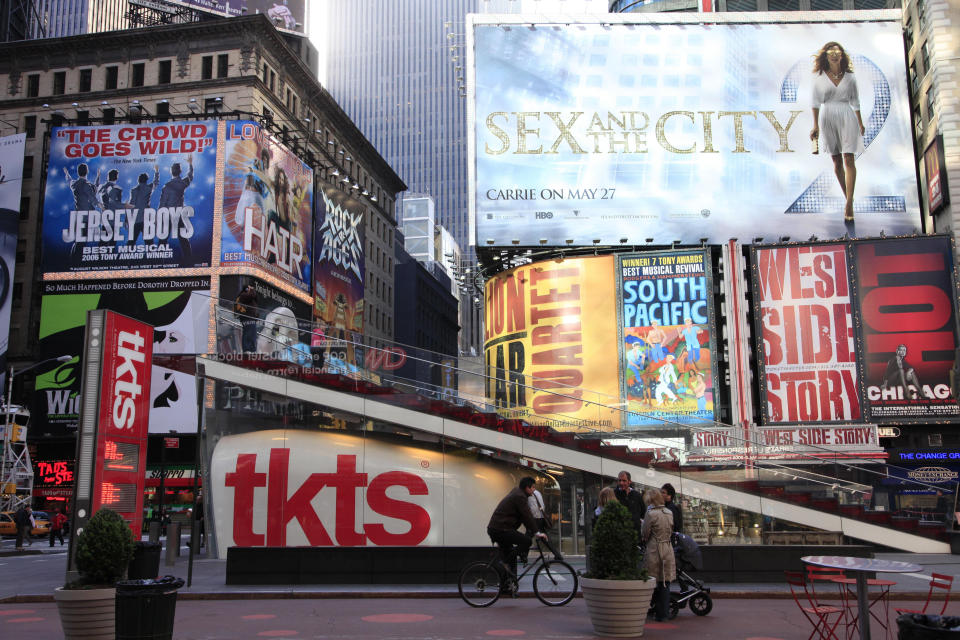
<point x="667" y="338"/>
<point x="130" y="196"/>
<point x="907" y="306"/>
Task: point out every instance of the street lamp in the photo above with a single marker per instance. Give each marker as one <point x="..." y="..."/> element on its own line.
<point x="6" y="428"/>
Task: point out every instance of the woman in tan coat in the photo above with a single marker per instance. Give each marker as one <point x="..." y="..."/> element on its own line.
<point x="658" y="552"/>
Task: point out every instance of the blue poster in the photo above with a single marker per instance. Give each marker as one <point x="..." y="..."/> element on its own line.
<point x="125" y="197"/>
<point x="667" y="338"/>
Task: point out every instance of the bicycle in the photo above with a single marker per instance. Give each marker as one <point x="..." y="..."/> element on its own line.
<point x="555" y="582"/>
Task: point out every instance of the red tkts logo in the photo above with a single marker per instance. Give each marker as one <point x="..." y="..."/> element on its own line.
<point x="127" y="384"/>
<point x="282" y="506"/>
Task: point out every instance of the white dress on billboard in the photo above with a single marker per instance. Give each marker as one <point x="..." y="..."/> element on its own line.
<point x="839" y="127"/>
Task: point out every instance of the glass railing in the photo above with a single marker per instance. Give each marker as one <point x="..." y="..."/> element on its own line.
<point x="548" y="410"/>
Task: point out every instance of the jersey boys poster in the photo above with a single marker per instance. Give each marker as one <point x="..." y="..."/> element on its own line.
<point x="550" y="342"/>
<point x="666" y="336"/>
<point x="907" y="304"/>
<point x="809" y="360"/>
<point x="130" y="196"/>
<point x="338" y="263"/>
<point x="267" y="205"/>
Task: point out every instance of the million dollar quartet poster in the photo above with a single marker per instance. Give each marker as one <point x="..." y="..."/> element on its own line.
<point x="267" y="205"/>
<point x="549" y="341"/>
<point x="667" y="338"/>
<point x="128" y="196"/>
<point x="907" y="306"/>
<point x="338" y="268"/>
<point x="809" y="358"/>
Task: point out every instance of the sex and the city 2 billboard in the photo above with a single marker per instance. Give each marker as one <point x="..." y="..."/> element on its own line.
<point x="620" y="132"/>
<point x="130" y="196"/>
<point x="857" y="331"/>
<point x="667" y="338"/>
<point x="267" y="205"/>
<point x="11" y="181"/>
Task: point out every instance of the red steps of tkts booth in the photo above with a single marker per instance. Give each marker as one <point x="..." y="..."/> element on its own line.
<point x="491" y="420"/>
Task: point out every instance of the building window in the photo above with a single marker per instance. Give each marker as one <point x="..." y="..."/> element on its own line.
<point x="164" y="71"/>
<point x="24" y="207"/>
<point x="162" y="109"/>
<point x="110" y="81"/>
<point x="57" y="120"/>
<point x="925" y="54"/>
<point x="83" y="117"/>
<point x="59" y="83"/>
<point x="288" y="98"/>
<point x="86" y="80"/>
<point x="33" y="85"/>
<point x="109" y="115"/>
<point x="212" y="105"/>
<point x="30" y="126"/>
<point x="222" y="65"/>
<point x="21" y="257"/>
<point x="273" y="79"/>
<point x="27" y="167"/>
<point x="914" y="78"/>
<point x="931" y="105"/>
<point x="206" y="68"/>
<point x="917" y="124"/>
<point x="267" y="116"/>
<point x="17" y="292"/>
<point x="136" y="78"/>
<point x="266" y="73"/>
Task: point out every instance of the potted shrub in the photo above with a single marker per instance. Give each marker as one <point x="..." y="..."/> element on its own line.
<point x="617" y="590"/>
<point x="87" y="606"/>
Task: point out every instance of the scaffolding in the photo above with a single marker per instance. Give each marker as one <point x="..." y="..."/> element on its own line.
<point x="16" y="471"/>
<point x="152" y="13"/>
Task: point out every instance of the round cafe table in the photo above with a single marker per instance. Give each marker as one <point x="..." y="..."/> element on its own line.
<point x="861" y="567"/>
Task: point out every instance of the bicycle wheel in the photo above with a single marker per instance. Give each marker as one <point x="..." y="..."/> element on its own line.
<point x="479" y="584"/>
<point x="555" y="583"/>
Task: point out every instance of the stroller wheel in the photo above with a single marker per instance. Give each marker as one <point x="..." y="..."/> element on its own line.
<point x="674" y="608"/>
<point x="701" y="604"/>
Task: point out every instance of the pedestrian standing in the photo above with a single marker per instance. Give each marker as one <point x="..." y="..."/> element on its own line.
<point x="56" y="526"/>
<point x="22" y="521"/>
<point x="658" y="551"/>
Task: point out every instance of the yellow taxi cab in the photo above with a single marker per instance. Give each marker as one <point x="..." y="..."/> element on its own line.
<point x="41" y="524"/>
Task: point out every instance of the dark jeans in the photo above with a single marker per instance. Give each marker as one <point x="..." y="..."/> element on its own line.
<point x="22" y="532"/>
<point x="58" y="533"/>
<point x="507" y="540"/>
<point x="249" y="336"/>
<point x="661" y="600"/>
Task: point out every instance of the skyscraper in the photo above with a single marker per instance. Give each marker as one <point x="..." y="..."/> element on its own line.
<point x="61" y="18"/>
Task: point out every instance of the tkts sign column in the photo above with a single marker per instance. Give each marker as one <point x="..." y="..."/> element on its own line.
<point x="112" y="436"/>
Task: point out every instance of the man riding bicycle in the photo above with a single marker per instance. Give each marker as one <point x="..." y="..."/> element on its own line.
<point x="513" y="511"/>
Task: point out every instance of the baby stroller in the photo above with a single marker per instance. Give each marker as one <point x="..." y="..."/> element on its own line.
<point x="692" y="593"/>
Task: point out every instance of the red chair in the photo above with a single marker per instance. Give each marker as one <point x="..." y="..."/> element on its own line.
<point x="834" y="577"/>
<point x="882" y="598"/>
<point x="938" y="581"/>
<point x="818" y="615"/>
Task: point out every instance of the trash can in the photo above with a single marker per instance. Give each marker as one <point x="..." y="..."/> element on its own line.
<point x="916" y="626"/>
<point x="146" y="608"/>
<point x="145" y="562"/>
<point x="954" y="542"/>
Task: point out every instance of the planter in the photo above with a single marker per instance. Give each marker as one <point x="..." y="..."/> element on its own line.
<point x="618" y="608"/>
<point x="86" y="614"/>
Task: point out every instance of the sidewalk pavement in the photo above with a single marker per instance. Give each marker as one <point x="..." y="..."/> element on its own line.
<point x="41" y="569"/>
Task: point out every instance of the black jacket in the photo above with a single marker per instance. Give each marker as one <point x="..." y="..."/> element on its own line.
<point x="677" y="515"/>
<point x="633" y="501"/>
<point x="513" y="511"/>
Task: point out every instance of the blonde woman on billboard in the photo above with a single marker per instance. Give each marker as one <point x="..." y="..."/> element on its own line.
<point x="837" y="125"/>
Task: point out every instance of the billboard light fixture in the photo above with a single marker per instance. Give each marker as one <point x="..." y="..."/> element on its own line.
<point x="649" y="240"/>
<point x="569" y="240"/>
<point x="704" y="241"/>
<point x="515" y="241"/>
<point x="74" y="104"/>
<point x="490" y="240"/>
<point x="543" y="241"/>
<point x="784" y="238"/>
<point x="623" y="240"/>
<point x="758" y="240"/>
<point x="596" y="241"/>
<point x="813" y="238"/>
